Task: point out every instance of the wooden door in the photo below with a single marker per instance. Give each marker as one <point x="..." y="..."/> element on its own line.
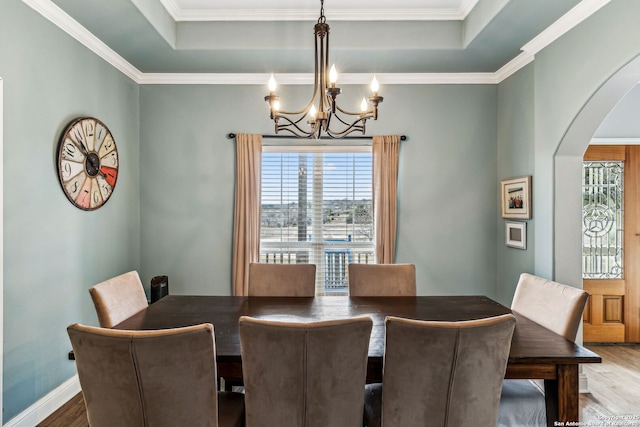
<point x="612" y="313"/>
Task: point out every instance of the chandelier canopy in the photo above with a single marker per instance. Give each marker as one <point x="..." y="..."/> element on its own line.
<point x="322" y="114"/>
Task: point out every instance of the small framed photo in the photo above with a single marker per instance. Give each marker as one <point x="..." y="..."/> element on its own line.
<point x="516" y="234"/>
<point x="516" y="198"/>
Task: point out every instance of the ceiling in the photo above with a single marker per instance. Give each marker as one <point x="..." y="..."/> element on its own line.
<point x="403" y="37"/>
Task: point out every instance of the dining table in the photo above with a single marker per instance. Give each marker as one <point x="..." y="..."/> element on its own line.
<point x="536" y="352"/>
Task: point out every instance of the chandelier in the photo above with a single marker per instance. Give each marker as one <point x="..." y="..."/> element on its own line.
<point x="322" y="114"/>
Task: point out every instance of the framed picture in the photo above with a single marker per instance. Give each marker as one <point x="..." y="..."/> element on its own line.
<point x="516" y="198"/>
<point x="516" y="234"/>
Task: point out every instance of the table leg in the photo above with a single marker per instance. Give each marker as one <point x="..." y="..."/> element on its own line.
<point x="551" y="401"/>
<point x="562" y="396"/>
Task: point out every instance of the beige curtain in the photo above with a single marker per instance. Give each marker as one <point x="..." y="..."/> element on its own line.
<point x="385" y="189"/>
<point x="246" y="218"/>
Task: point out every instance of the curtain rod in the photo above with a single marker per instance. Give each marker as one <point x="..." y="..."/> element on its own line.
<point x="233" y="135"/>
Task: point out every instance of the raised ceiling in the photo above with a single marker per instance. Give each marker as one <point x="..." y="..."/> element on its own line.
<point x="403" y="37"/>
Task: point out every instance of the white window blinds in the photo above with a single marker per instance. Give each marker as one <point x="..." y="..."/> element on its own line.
<point x="317" y="208"/>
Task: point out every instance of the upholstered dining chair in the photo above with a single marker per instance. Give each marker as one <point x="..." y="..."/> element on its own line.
<point x="558" y="308"/>
<point x="282" y="280"/>
<point x="118" y="298"/>
<point x="152" y="378"/>
<point x="373" y="280"/>
<point x="304" y="374"/>
<point x="439" y="374"/>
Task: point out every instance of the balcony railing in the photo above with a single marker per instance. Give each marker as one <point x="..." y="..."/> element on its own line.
<point x="332" y="276"/>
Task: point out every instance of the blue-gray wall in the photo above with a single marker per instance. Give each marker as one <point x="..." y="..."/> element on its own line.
<point x="447" y="181"/>
<point x="53" y="251"/>
<point x="515" y="158"/>
<point x="171" y="211"/>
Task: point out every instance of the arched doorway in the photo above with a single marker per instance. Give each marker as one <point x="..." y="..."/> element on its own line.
<point x="568" y="171"/>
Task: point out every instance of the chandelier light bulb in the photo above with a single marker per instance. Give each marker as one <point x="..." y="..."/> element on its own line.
<point x="363" y="105"/>
<point x="272" y="84"/>
<point x="276" y="105"/>
<point x="374" y="85"/>
<point x="333" y="75"/>
<point x="312" y="112"/>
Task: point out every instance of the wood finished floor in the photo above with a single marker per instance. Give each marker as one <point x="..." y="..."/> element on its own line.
<point x="614" y="391"/>
<point x="613" y="400"/>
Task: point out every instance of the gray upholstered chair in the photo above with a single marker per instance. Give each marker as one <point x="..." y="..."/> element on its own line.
<point x="118" y="298"/>
<point x="152" y="378"/>
<point x="304" y="374"/>
<point x="392" y="280"/>
<point x="373" y="280"/>
<point x="558" y="308"/>
<point x="441" y="373"/>
<point x="282" y="280"/>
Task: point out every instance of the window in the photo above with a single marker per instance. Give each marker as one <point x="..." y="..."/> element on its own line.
<point x="317" y="208"/>
<point x="602" y="220"/>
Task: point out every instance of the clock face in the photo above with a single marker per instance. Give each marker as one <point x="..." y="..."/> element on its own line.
<point x="87" y="163"/>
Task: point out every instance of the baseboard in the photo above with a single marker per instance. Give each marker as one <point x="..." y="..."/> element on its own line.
<point x="46" y="406"/>
<point x="583" y="383"/>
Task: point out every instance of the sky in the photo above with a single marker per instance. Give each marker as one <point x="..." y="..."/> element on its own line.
<point x="343" y="175"/>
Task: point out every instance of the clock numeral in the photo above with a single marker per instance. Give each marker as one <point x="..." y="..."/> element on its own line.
<point x="110" y="175"/>
<point x="88" y="129"/>
<point x="69" y="169"/>
<point x="101" y="133"/>
<point x="110" y="159"/>
<point x="73" y="186"/>
<point x="96" y="196"/>
<point x="79" y="136"/>
<point x="105" y="188"/>
<point x="71" y="152"/>
<point x="84" y="198"/>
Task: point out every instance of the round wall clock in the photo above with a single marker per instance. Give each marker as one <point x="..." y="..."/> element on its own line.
<point x="87" y="163"/>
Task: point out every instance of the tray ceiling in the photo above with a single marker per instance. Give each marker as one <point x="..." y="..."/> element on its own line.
<point x="404" y="37"/>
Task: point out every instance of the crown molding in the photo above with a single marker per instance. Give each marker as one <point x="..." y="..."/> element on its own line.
<point x="556" y="30"/>
<point x="513" y="66"/>
<point x="575" y="16"/>
<point x="307" y="78"/>
<point x="433" y="78"/>
<point x="65" y="22"/>
<point x="418" y="14"/>
<point x="467" y="7"/>
<point x="211" y="15"/>
<point x="69" y="25"/>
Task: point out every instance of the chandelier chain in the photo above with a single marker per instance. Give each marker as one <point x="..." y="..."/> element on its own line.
<point x="322" y="19"/>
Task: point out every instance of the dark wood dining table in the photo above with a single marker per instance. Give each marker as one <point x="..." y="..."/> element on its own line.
<point x="536" y="352"/>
